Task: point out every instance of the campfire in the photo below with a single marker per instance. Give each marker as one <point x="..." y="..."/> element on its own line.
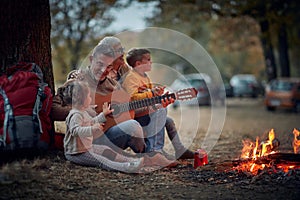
<point x="264" y="156"/>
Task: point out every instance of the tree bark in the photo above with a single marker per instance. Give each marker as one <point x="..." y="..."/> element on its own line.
<point x="283" y="52"/>
<point x="25" y="35"/>
<point x="268" y="51"/>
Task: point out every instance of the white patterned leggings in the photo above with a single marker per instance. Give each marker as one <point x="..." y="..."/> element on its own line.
<point x="104" y="157"/>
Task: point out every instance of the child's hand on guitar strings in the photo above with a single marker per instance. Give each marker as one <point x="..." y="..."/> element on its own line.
<point x="106" y="109"/>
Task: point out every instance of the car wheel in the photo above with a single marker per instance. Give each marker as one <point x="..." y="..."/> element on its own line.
<point x="175" y="106"/>
<point x="254" y="96"/>
<point x="297" y="107"/>
<point x="270" y="108"/>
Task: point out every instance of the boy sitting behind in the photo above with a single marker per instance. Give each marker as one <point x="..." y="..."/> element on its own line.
<point x="119" y="72"/>
<point x="139" y="86"/>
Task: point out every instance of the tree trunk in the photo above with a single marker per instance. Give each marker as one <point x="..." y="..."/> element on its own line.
<point x="25" y="35"/>
<point x="268" y="51"/>
<point x="283" y="52"/>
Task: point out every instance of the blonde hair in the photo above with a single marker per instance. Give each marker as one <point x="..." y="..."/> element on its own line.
<point x="75" y="93"/>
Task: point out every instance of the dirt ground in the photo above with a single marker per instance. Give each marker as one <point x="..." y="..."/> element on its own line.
<point x="52" y="177"/>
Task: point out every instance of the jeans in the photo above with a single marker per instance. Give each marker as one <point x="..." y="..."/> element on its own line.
<point x="125" y="134"/>
<point x="174" y="136"/>
<point x="153" y="126"/>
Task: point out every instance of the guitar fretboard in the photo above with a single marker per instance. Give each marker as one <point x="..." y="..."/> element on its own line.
<point x="133" y="105"/>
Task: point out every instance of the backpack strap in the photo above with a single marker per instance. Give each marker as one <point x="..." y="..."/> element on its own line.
<point x="40" y="96"/>
<point x="9" y="119"/>
<point x="34" y="68"/>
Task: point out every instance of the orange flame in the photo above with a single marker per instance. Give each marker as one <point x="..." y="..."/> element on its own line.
<point x="252" y="151"/>
<point x="296" y="143"/>
<point x="256" y="147"/>
<point x="271" y="137"/>
<point x="266" y="146"/>
<point x="247" y="149"/>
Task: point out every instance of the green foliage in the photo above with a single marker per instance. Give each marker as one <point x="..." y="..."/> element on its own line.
<point x="233" y="43"/>
<point x="244" y="54"/>
<point x="236" y="46"/>
<point x="76" y="28"/>
<point x="225" y="28"/>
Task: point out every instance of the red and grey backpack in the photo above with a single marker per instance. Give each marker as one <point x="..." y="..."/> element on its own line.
<point x="25" y="104"/>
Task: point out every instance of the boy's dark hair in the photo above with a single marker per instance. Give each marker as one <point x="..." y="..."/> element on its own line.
<point x="134" y="55"/>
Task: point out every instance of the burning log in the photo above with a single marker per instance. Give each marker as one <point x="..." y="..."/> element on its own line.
<point x="275" y="158"/>
<point x="276" y="161"/>
<point x="260" y="149"/>
<point x="281" y="158"/>
<point x="258" y="157"/>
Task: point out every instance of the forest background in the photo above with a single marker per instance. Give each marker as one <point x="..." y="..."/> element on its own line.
<point x="247" y="36"/>
<point x="257" y="37"/>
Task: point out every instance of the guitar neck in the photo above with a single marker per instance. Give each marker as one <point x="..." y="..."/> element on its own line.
<point x="133" y="105"/>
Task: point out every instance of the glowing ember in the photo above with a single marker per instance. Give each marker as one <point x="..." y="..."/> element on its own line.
<point x="257" y="156"/>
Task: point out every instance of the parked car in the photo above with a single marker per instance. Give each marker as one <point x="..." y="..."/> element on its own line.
<point x="283" y="93"/>
<point x="228" y="89"/>
<point x="245" y="85"/>
<point x="198" y="81"/>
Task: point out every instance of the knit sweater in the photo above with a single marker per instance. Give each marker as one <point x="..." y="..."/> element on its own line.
<point x="79" y="135"/>
<point x="133" y="83"/>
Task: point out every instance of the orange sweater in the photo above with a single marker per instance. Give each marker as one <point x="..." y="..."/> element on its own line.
<point x="133" y="84"/>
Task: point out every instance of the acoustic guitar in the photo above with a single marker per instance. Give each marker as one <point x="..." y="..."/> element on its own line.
<point x="124" y="108"/>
